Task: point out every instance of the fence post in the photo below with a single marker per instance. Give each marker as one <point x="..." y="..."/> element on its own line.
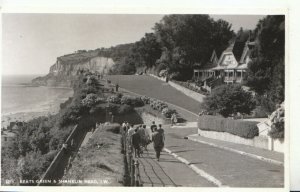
<point x="132" y="172"/>
<point x="125" y="142"/>
<point x="137" y="174"/>
<point x="129" y="161"/>
<point x="126" y="177"/>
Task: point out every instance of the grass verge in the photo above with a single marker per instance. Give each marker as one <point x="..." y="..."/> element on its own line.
<point x="100" y="162"/>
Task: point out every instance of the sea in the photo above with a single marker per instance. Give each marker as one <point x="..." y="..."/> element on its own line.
<point x="18" y="96"/>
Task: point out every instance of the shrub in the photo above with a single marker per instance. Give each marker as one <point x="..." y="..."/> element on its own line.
<point x="245" y="129"/>
<point x="277" y="120"/>
<point x="114" y="99"/>
<point x="119" y="95"/>
<point x="162" y="73"/>
<point x="125" y="109"/>
<point x="99" y="108"/>
<point x="167" y="112"/>
<point x="89" y="89"/>
<point x="194" y="87"/>
<point x="70" y="116"/>
<point x="66" y="103"/>
<point x="131" y="100"/>
<point x="145" y="99"/>
<point x="157" y="105"/>
<point x="229" y="99"/>
<point x="91" y="100"/>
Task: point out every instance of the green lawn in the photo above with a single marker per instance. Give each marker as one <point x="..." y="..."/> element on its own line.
<point x="147" y="85"/>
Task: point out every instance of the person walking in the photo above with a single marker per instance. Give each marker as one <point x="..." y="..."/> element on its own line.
<point x="158" y="142"/>
<point x="153" y="126"/>
<point x="148" y="134"/>
<point x="136" y="142"/>
<point x="161" y="131"/>
<point x="129" y="136"/>
<point x="117" y="87"/>
<point x="144" y="137"/>
<point x="173" y="119"/>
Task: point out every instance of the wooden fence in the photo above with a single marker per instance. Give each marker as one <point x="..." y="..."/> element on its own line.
<point x="131" y="172"/>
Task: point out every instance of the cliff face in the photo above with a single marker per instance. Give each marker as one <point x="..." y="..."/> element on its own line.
<point x="95" y="64"/>
<point x="66" y="67"/>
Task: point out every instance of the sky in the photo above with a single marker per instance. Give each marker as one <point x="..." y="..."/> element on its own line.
<point x="32" y="42"/>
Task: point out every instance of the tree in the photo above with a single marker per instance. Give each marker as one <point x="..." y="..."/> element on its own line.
<point x="229" y="99"/>
<point x="190" y="39"/>
<point x="148" y="49"/>
<point x="266" y="71"/>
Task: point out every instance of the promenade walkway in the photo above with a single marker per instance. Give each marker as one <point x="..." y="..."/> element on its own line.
<point x="218" y="166"/>
<point x="229" y="168"/>
<point x="168" y="172"/>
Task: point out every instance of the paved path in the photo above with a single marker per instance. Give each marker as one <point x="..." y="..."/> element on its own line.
<point x="164" y="174"/>
<point x="267" y="154"/>
<point x="230" y="168"/>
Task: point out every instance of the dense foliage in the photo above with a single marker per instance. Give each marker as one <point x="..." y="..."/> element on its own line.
<point x="266" y="72"/>
<point x="178" y="42"/>
<point x="245" y="129"/>
<point x="228" y="100"/>
<point x="277" y="122"/>
<point x="38" y="140"/>
<point x="190" y="39"/>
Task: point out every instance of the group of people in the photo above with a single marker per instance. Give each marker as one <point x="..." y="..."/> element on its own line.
<point x="140" y="137"/>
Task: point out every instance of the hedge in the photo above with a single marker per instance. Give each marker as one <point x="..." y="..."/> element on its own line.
<point x="131" y="100"/>
<point x="192" y="86"/>
<point x="245" y="129"/>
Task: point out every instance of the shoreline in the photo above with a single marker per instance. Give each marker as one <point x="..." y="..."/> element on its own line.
<point x="24" y="116"/>
<point x="48" y="108"/>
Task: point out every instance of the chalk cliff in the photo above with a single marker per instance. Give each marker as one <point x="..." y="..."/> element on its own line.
<point x="66" y="67"/>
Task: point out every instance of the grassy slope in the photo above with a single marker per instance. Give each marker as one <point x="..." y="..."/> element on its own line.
<point x="116" y="53"/>
<point x="149" y="86"/>
<point x="78" y="57"/>
<point x="103" y="163"/>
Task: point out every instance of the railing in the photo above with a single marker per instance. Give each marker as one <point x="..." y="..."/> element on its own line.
<point x="61" y="161"/>
<point x="131" y="171"/>
<point x="235" y="79"/>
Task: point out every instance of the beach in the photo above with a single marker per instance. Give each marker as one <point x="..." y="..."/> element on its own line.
<point x="24" y="116"/>
<point x="21" y="102"/>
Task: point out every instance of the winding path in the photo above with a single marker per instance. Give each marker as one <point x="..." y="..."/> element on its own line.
<point x="231" y="169"/>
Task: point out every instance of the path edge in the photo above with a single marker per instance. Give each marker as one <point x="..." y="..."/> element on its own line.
<point x="197" y="170"/>
<point x="238" y="151"/>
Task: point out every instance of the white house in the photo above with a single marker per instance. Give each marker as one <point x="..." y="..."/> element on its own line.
<point x="231" y="66"/>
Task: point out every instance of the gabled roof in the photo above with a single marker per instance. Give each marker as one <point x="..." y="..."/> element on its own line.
<point x="238" y="49"/>
<point x="207" y="66"/>
<point x="214" y="54"/>
<point x="243" y="66"/>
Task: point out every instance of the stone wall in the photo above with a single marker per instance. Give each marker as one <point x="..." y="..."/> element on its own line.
<point x="194" y="95"/>
<point x="262" y="141"/>
<point x="276" y="145"/>
<point x="259" y="141"/>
